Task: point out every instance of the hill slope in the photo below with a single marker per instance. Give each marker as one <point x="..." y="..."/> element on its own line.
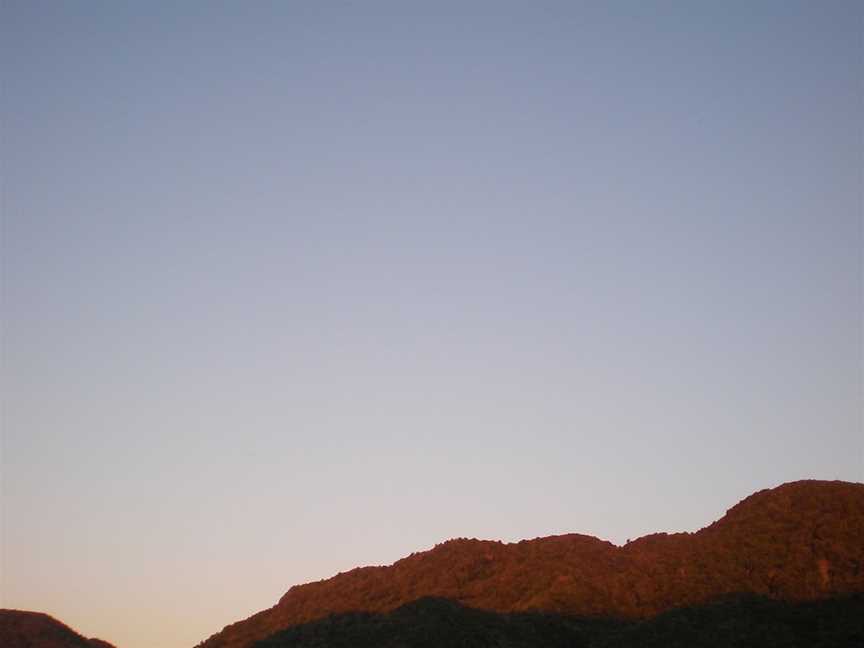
<point x="800" y="541"/>
<point x="20" y="629"/>
<point x="434" y="623"/>
<point x="739" y="621"/>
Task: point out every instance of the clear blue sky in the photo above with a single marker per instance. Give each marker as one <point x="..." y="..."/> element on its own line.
<point x="294" y="287"/>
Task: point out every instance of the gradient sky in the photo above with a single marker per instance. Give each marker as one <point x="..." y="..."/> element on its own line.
<point x="295" y="287"/>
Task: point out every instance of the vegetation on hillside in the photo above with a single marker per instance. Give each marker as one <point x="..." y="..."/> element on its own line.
<point x="798" y="542"/>
<point x="745" y="621"/>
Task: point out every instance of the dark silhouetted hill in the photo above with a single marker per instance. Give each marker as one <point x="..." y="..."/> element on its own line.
<point x="20" y="629"/>
<point x="440" y="623"/>
<point x="798" y="542"/>
<point x="749" y="621"/>
<point x="437" y="623"/>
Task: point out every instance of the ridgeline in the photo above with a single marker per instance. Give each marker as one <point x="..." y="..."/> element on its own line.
<point x="783" y="568"/>
<point x="799" y="542"/>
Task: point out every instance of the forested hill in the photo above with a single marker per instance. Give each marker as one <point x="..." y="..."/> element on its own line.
<point x="798" y="542"/>
<point x="733" y="622"/>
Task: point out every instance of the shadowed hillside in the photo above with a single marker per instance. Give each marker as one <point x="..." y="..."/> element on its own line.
<point x="433" y="623"/>
<point x="797" y="542"/>
<point x="19" y="629"/>
<point x="739" y="621"/>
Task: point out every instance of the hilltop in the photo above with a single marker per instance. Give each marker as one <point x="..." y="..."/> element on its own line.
<point x="795" y="543"/>
<point x="20" y="629"/>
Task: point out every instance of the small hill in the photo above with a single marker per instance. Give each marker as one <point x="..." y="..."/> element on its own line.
<point x="20" y="629"/>
<point x="798" y="542"/>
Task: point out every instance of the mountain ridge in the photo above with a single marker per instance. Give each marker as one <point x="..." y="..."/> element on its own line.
<point x="799" y="541"/>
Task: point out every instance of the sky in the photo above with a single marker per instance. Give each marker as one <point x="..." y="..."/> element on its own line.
<point x="293" y="287"/>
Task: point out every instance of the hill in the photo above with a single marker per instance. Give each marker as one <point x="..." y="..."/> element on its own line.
<point x="434" y="623"/>
<point x="20" y="629"/>
<point x="798" y="542"/>
<point x="738" y="621"/>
